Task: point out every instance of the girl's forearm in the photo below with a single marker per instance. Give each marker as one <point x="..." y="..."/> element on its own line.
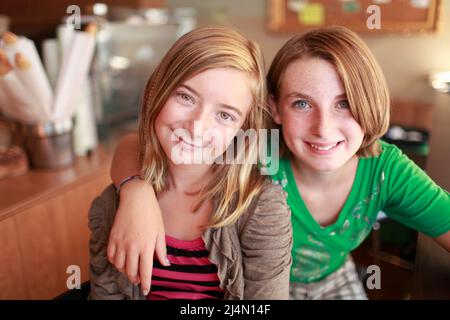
<point x="444" y="240"/>
<point x="125" y="161"/>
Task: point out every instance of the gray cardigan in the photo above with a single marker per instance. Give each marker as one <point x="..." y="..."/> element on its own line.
<point x="253" y="256"/>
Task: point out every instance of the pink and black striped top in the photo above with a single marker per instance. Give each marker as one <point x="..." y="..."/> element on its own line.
<point x="191" y="275"/>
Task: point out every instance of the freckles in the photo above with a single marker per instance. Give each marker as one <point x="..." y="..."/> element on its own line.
<point x="297" y="124"/>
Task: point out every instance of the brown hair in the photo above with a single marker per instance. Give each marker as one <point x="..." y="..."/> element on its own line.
<point x="359" y="71"/>
<point x="195" y="52"/>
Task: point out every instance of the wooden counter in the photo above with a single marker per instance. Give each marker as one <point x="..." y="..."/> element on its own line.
<point x="43" y="226"/>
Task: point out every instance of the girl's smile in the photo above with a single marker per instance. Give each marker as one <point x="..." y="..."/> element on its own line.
<point x="314" y="113"/>
<point x="189" y="143"/>
<point x="323" y="148"/>
<point x="201" y="118"/>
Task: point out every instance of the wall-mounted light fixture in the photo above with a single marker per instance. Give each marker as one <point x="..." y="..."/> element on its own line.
<point x="440" y="81"/>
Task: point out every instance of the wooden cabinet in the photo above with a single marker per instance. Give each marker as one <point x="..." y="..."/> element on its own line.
<point x="432" y="268"/>
<point x="33" y="19"/>
<point x="412" y="114"/>
<point x="44" y="226"/>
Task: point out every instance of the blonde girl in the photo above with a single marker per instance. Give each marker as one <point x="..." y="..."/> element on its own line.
<point x="227" y="229"/>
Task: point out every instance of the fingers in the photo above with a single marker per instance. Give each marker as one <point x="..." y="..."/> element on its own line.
<point x="111" y="251"/>
<point x="138" y="279"/>
<point x="161" y="250"/>
<point x="145" y="270"/>
<point x="132" y="261"/>
<point x="119" y="260"/>
<point x="146" y="261"/>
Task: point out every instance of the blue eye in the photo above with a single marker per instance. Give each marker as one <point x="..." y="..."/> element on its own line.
<point x="301" y="104"/>
<point x="344" y="104"/>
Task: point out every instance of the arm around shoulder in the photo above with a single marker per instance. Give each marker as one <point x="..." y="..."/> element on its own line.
<point x="444" y="240"/>
<point x="266" y="242"/>
<point x="125" y="161"/>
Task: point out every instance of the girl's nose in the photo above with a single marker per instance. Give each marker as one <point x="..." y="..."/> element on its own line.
<point x="198" y="122"/>
<point x="322" y="123"/>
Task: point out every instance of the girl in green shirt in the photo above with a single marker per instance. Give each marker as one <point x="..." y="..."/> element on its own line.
<point x="329" y="97"/>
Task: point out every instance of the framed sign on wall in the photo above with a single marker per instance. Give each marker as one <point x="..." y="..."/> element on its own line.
<point x="362" y="16"/>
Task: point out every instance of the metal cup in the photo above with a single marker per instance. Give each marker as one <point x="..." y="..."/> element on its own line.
<point x="49" y="145"/>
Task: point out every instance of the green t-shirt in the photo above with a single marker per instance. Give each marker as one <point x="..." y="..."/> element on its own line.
<point x="390" y="183"/>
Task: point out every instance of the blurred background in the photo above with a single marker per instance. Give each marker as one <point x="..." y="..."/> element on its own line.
<point x="412" y="47"/>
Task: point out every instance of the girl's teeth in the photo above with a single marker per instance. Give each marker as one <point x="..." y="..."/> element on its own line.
<point x="325" y="148"/>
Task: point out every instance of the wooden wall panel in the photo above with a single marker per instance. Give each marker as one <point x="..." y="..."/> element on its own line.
<point x="38" y="20"/>
<point x="54" y="235"/>
<point x="412" y="114"/>
<point x="38" y="245"/>
<point x="44" y="12"/>
<point x="12" y="279"/>
<point x="44" y="226"/>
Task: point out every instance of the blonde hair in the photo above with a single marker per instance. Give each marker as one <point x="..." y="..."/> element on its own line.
<point x="232" y="186"/>
<point x="359" y="71"/>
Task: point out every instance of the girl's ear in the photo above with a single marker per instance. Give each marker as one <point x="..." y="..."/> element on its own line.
<point x="274" y="110"/>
